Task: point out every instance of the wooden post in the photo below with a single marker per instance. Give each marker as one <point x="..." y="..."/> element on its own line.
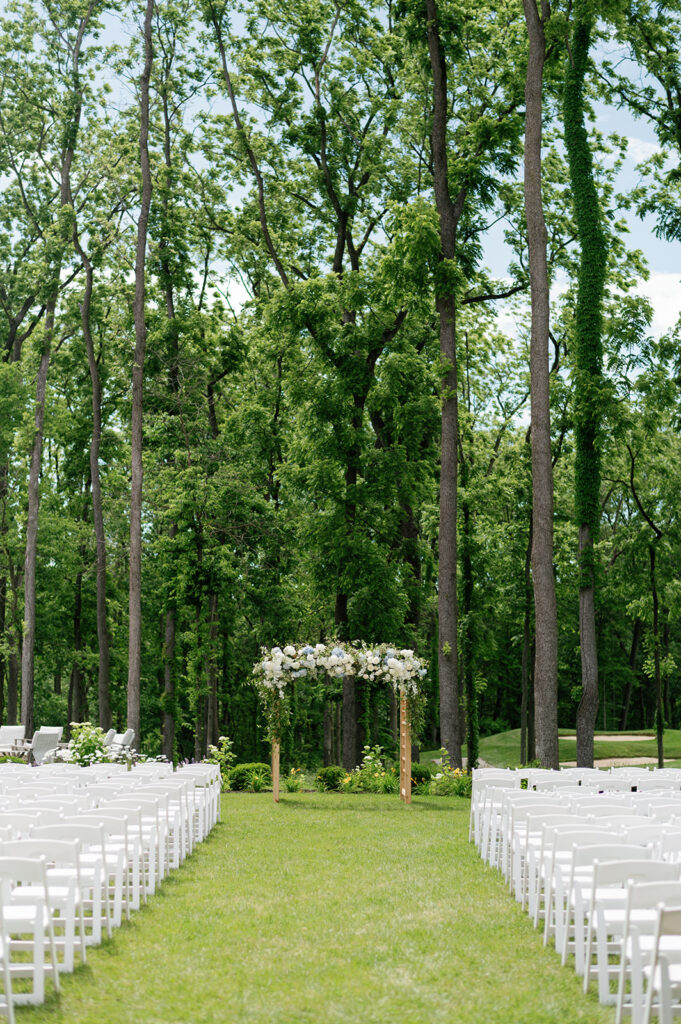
<point x="275" y="770"/>
<point x="405" y="752"/>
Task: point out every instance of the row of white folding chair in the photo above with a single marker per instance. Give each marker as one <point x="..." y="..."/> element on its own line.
<point x="576" y="883"/>
<point x="662" y="971"/>
<point x="66" y="891"/>
<point x="115" y="823"/>
<point x="593" y="900"/>
<point x="208" y="778"/>
<point x="624" y="894"/>
<point x="628" y="922"/>
<point x="482" y="778"/>
<point x="146" y="823"/>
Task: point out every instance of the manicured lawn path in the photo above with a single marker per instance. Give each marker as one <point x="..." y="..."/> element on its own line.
<point x="328" y="909"/>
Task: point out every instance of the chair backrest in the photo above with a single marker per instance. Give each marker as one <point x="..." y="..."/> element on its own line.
<point x="9" y="734"/>
<point x="55" y="851"/>
<point x="20" y="823"/>
<point x="108" y="739"/>
<point x="621" y="871"/>
<point x="588" y="853"/>
<point x="44" y="741"/>
<point x="122" y="741"/>
<point x="87" y="834"/>
<point x="646" y="895"/>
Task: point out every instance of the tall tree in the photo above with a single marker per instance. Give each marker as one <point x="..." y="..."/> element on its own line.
<point x="588" y="364"/>
<point x="135" y="585"/>
<point x="449" y="211"/>
<point x="545" y="613"/>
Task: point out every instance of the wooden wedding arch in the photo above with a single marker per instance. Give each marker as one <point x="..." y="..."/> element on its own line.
<point x="278" y="667"/>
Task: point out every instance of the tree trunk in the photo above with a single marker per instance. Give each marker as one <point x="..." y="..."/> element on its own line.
<point x="668" y="706"/>
<point x="588" y="371"/>
<point x="525" y="661"/>
<point x="212" y="728"/>
<point x="28" y="649"/>
<point x="329" y="708"/>
<point x="633" y="654"/>
<point x="103" y="683"/>
<point x="135" y="584"/>
<point x="168" y="727"/>
<point x="588" y="705"/>
<point x="449" y="214"/>
<point x="545" y="614"/>
<point x="659" y="708"/>
<point x="76" y="680"/>
<point x="468" y="639"/>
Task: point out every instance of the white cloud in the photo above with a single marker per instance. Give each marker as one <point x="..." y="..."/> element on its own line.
<point x="664" y="291"/>
<point x="640" y="149"/>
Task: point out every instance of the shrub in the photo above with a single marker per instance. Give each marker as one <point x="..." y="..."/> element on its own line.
<point x="224" y="756"/>
<point x="331" y="777"/>
<point x="241" y="776"/>
<point x="294" y="780"/>
<point x="420" y="774"/>
<point x="87" y="745"/>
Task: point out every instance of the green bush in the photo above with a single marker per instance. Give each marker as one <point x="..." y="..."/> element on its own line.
<point x="420" y="774"/>
<point x="222" y="755"/>
<point x="331" y="776"/>
<point x="455" y="782"/>
<point x="241" y="775"/>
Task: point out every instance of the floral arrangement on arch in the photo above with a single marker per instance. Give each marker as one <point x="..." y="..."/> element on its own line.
<point x="279" y="667"/>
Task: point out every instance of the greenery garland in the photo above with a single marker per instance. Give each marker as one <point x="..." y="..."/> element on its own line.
<point x="279" y="667"/>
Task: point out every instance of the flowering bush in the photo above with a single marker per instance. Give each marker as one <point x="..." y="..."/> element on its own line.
<point x="223" y="756"/>
<point x="330" y="777"/>
<point x="373" y="775"/>
<point x="450" y="781"/>
<point x="294" y="780"/>
<point x="86" y="746"/>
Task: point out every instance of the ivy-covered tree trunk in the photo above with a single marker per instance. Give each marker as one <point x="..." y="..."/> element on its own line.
<point x="135" y="578"/>
<point x="588" y="369"/>
<point x="28" y="649"/>
<point x="545" y="614"/>
<point x="659" y="706"/>
<point x="449" y="213"/>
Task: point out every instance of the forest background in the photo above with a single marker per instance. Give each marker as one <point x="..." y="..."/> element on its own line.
<point x="223" y="388"/>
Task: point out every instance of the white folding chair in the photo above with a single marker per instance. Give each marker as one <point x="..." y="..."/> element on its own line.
<point x="607" y="915"/>
<point x="663" y="972"/>
<point x="6" y="1000"/>
<point x="61" y="859"/>
<point x="28" y="923"/>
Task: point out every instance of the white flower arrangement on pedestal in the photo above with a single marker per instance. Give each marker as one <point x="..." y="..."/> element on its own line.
<point x="279" y="667"/>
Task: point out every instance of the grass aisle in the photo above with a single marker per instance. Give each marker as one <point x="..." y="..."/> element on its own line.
<point x="328" y="909"/>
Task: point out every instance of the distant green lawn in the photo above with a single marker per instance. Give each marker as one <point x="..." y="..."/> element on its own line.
<point x="328" y="909"/>
<point x="503" y="749"/>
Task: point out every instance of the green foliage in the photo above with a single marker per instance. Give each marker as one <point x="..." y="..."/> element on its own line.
<point x="420" y="773"/>
<point x="224" y="756"/>
<point x="293" y="782"/>
<point x="374" y="775"/>
<point x="241" y="776"/>
<point x="330" y="777"/>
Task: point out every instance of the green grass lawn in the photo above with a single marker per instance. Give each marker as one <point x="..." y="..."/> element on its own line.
<point x="503" y="749"/>
<point x="328" y="909"/>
